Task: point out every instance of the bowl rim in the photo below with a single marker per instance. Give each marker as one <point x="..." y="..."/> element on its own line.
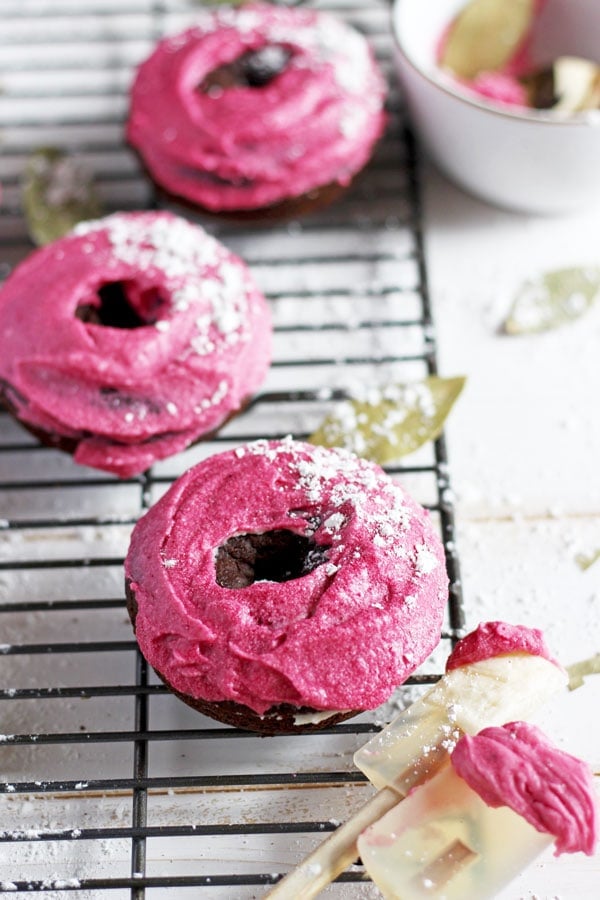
<point x="585" y="120"/>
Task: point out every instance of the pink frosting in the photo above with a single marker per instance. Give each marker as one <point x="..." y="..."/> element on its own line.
<point x="132" y="396"/>
<point x="247" y="147"/>
<point x="342" y="636"/>
<point x="516" y="766"/>
<point x="491" y="639"/>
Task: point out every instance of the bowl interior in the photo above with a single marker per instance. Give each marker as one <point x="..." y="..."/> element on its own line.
<point x="564" y="27"/>
<point x="567" y="28"/>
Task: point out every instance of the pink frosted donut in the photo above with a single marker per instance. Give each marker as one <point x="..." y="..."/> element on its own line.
<point x="281" y="586"/>
<point x="129" y="339"/>
<point x="254" y="106"/>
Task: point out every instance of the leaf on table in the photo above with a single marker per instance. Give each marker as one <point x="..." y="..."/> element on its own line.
<point x="485" y="36"/>
<point x="553" y="299"/>
<point x="578" y="671"/>
<point x="57" y="194"/>
<point x="390" y="422"/>
<point x="586" y="561"/>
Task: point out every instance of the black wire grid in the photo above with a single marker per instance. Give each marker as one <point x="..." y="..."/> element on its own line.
<point x="105" y="773"/>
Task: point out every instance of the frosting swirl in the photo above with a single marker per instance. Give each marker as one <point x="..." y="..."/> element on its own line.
<point x="342" y="634"/>
<point x="515" y="765"/>
<point x="230" y="143"/>
<point x="491" y="639"/>
<point x="131" y="337"/>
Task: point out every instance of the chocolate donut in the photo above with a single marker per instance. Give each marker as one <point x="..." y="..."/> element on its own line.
<point x="257" y="108"/>
<point x="129" y="339"/>
<point x="282" y="586"/>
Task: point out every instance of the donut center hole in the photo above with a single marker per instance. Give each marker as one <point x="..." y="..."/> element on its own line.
<point x="122" y="304"/>
<point x="254" y="69"/>
<point x="278" y="555"/>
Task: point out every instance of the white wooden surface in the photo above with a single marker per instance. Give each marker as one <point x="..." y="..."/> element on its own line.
<point x="524" y="442"/>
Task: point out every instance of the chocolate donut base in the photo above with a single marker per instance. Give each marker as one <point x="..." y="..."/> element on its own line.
<point x="47" y="438"/>
<point x="69" y="444"/>
<point x="284" y="211"/>
<point x="280" y="719"/>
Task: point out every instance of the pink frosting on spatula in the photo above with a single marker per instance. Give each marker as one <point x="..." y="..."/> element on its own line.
<point x="515" y="765"/>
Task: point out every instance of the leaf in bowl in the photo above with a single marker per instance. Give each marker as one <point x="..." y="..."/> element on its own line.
<point x="553" y="299"/>
<point x="57" y="194"/>
<point x="485" y="36"/>
<point x="390" y="422"/>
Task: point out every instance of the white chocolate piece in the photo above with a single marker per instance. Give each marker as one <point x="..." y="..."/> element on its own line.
<point x="491" y="692"/>
<point x="576" y="84"/>
<point x="444" y="842"/>
<point x="412" y="748"/>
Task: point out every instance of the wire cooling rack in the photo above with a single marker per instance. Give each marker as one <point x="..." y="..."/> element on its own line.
<point x="111" y="786"/>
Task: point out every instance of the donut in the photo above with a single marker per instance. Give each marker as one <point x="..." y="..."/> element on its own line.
<point x="257" y="108"/>
<point x="281" y="587"/>
<point x="129" y="339"/>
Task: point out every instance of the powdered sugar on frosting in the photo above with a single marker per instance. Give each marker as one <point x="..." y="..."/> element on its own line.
<point x="342" y="636"/>
<point x="195" y="267"/>
<point x="379" y="501"/>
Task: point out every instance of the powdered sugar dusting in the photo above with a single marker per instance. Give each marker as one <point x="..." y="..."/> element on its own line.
<point x="425" y="559"/>
<point x="325" y="38"/>
<point x="352" y="484"/>
<point x="199" y="272"/>
<point x="372" y="413"/>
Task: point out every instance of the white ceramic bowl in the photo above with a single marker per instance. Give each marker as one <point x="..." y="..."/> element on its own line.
<point x="530" y="160"/>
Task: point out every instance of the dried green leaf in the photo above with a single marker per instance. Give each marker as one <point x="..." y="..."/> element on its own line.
<point x="57" y="194"/>
<point x="553" y="299"/>
<point x="390" y="422"/>
<point x="578" y="671"/>
<point x="485" y="35"/>
<point x="586" y="561"/>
